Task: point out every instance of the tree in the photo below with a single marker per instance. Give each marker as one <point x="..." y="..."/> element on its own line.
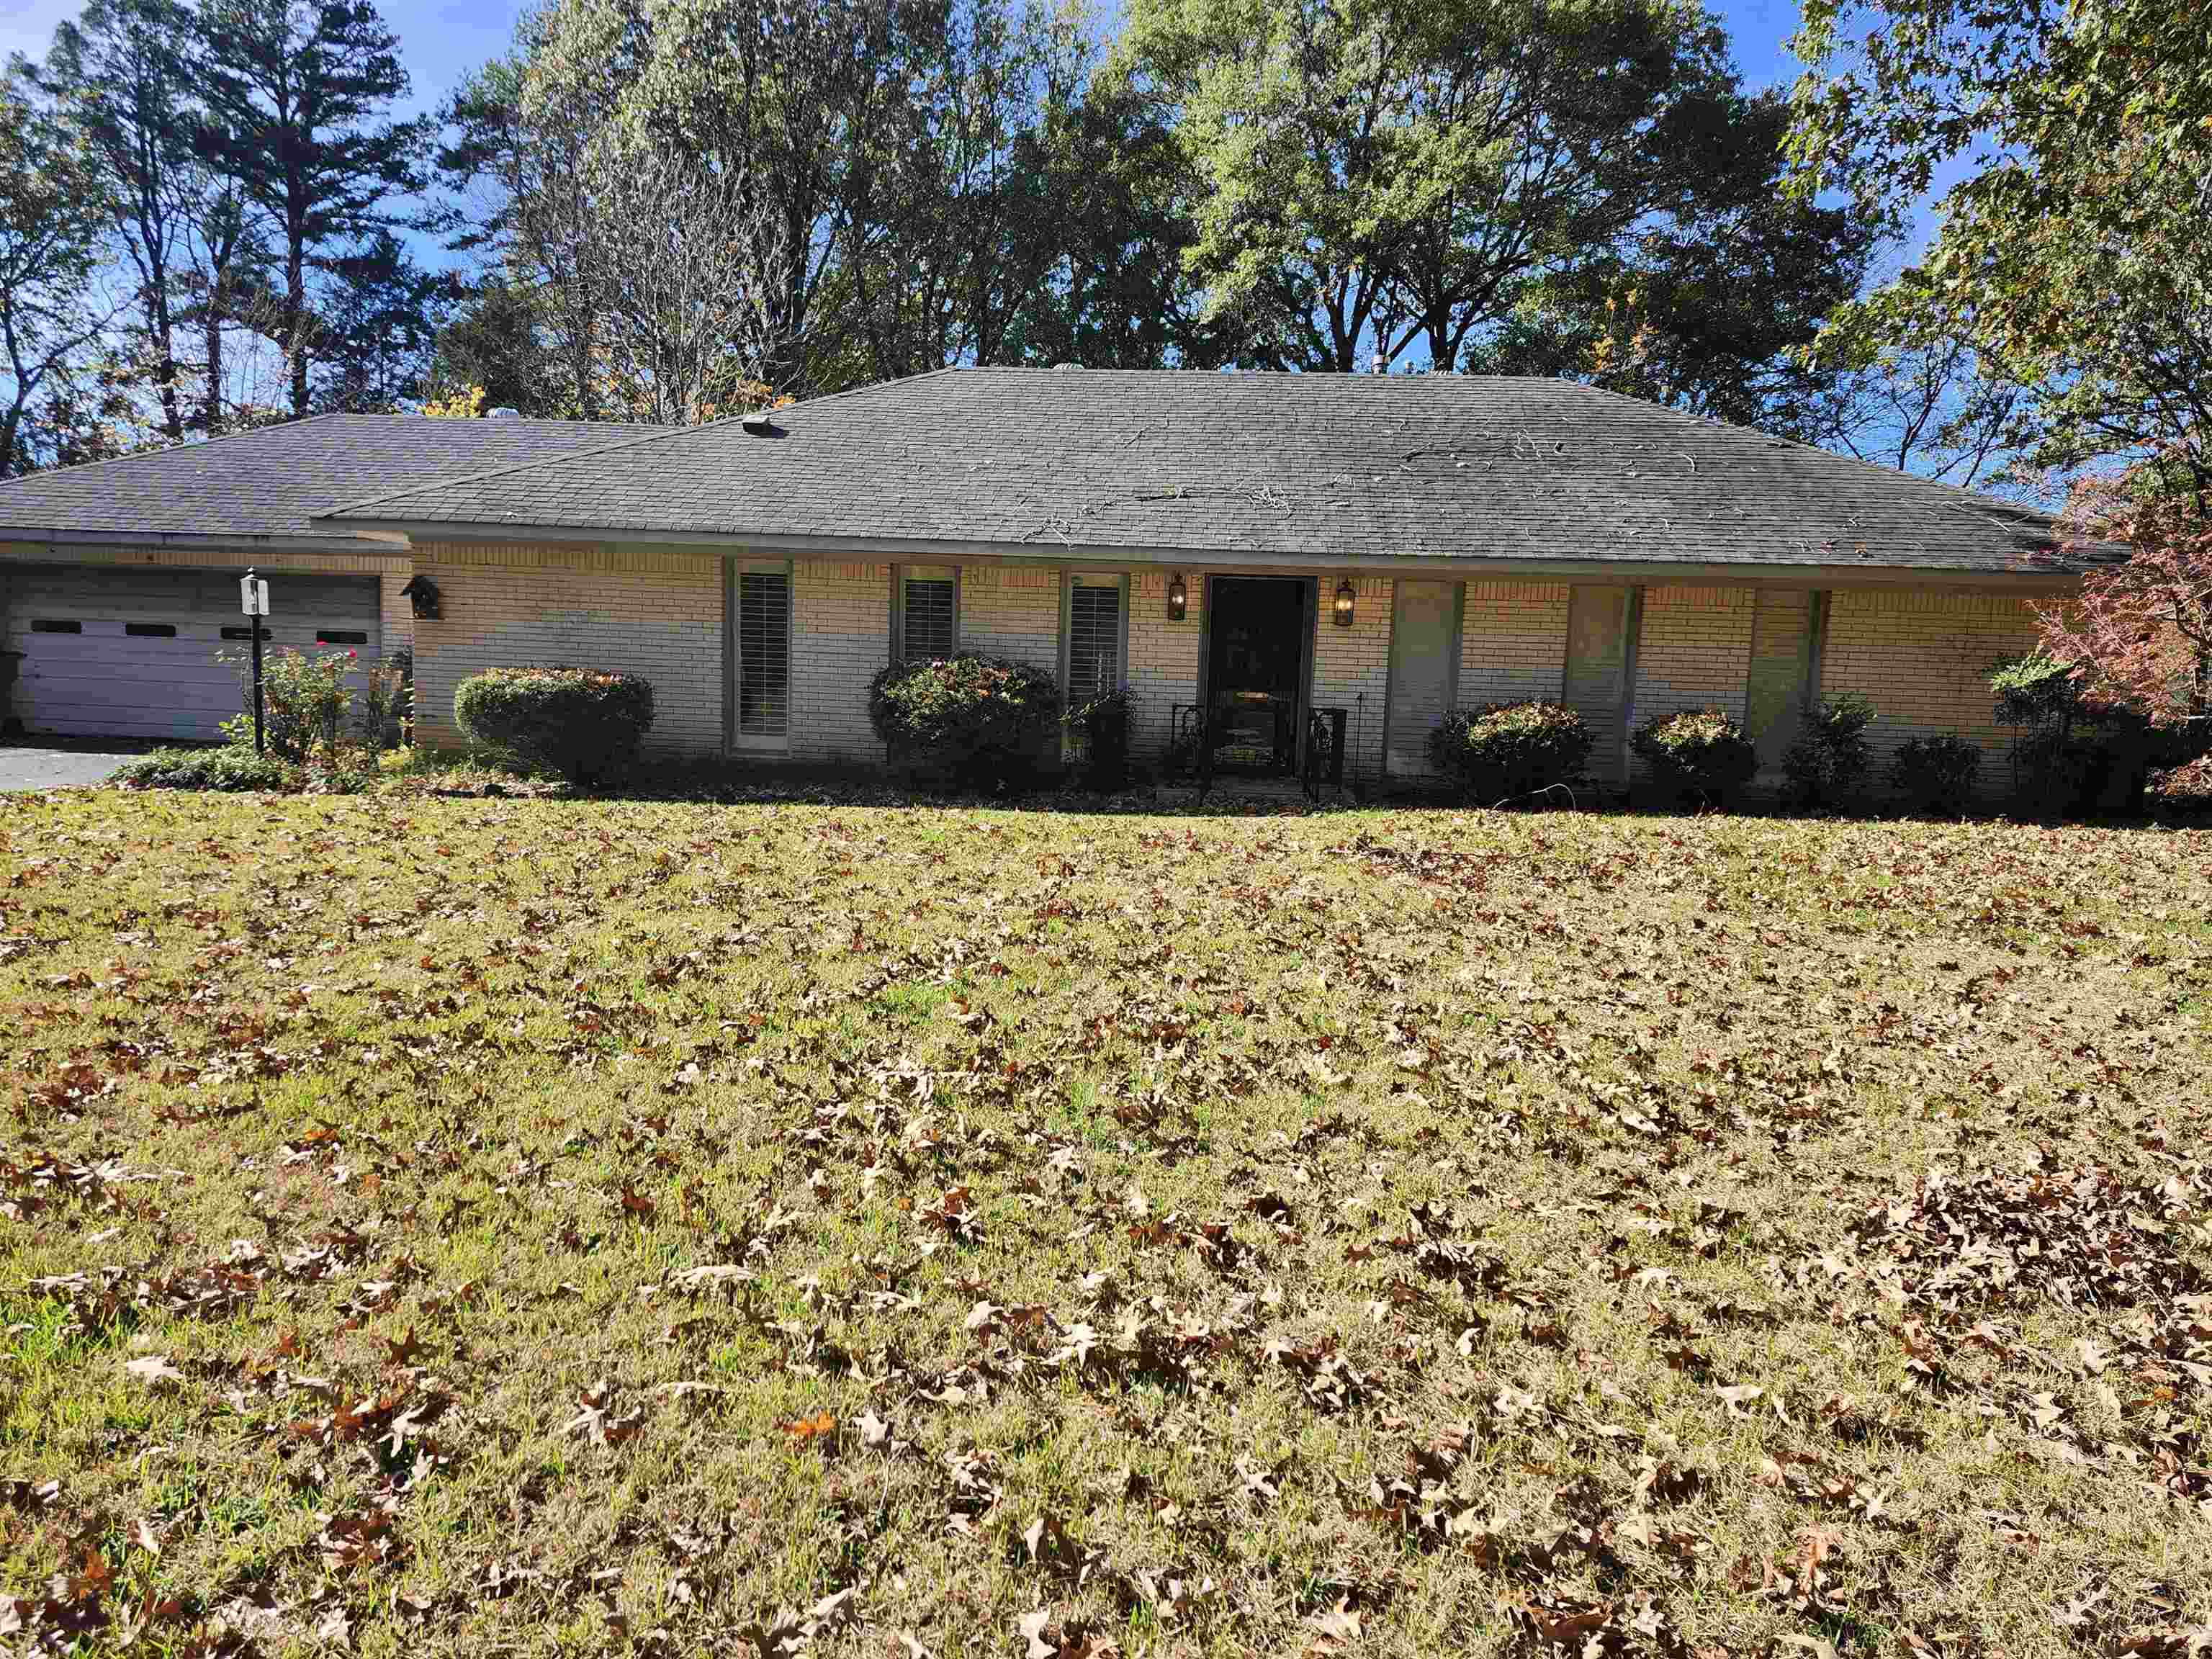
<point x="2140" y="634"/>
<point x="2072" y="259"/>
<point x="380" y="324"/>
<point x="1377" y="173"/>
<point x="296" y="94"/>
<point x="54" y="213"/>
<point x="123" y="70"/>
<point x="494" y="342"/>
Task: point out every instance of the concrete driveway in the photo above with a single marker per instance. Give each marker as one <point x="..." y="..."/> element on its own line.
<point x="29" y="767"/>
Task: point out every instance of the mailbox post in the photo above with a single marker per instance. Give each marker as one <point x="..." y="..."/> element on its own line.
<point x="254" y="601"/>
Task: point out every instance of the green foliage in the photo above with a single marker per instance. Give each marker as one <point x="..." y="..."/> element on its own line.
<point x="1826" y="762"/>
<point x="231" y="767"/>
<point x="386" y="703"/>
<point x="1505" y="749"/>
<point x="2070" y="256"/>
<point x="2035" y="690"/>
<point x="583" y="723"/>
<point x="1101" y="727"/>
<point x="305" y="699"/>
<point x="1936" y="775"/>
<point x="1696" y="754"/>
<point x="968" y="721"/>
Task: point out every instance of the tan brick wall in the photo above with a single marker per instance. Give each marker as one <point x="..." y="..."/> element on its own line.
<point x="395" y="613"/>
<point x="649" y="613"/>
<point x="1695" y="650"/>
<point x="1776" y="688"/>
<point x="1352" y="663"/>
<point x="187" y="558"/>
<point x="841" y="634"/>
<point x="1513" y="642"/>
<point x="1163" y="658"/>
<point x="1923" y="658"/>
<point x="1012" y="610"/>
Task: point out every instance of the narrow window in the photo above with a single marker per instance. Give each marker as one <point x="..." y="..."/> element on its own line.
<point x="150" y="631"/>
<point x="244" y="633"/>
<point x="929" y="612"/>
<point x="49" y="625"/>
<point x="1094" y="642"/>
<point x="763" y="655"/>
<point x="341" y="637"/>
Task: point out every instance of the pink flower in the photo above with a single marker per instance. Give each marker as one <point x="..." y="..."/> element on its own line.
<point x="350" y="655"/>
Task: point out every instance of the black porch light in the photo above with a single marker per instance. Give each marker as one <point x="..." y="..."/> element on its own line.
<point x="1178" y="600"/>
<point x="1342" y="609"/>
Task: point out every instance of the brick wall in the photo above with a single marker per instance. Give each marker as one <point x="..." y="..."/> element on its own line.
<point x="1513" y="642"/>
<point x="1776" y="686"/>
<point x="650" y="612"/>
<point x="1695" y="650"/>
<point x="1352" y="663"/>
<point x="1163" y="658"/>
<point x="841" y="634"/>
<point x="1924" y="661"/>
<point x="1012" y="610"/>
<point x="395" y="613"/>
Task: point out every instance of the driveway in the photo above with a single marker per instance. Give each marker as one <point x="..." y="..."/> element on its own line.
<point x="28" y="767"/>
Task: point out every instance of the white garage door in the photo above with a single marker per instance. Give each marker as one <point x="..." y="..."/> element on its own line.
<point x="112" y="651"/>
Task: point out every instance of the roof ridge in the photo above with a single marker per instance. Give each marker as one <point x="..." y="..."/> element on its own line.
<point x="655" y="436"/>
<point x="176" y="448"/>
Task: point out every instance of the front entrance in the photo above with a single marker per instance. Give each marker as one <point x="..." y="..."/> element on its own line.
<point x="1258" y="630"/>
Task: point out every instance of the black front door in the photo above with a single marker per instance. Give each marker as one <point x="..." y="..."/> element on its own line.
<point x="1256" y="629"/>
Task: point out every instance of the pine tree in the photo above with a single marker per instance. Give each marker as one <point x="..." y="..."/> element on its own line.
<point x="298" y="96"/>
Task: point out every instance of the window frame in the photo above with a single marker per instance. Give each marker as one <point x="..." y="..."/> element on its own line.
<point x="903" y="573"/>
<point x="735" y="739"/>
<point x="1070" y="580"/>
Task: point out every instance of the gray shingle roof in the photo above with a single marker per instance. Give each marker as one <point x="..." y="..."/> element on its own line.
<point x="272" y="480"/>
<point x="1328" y="465"/>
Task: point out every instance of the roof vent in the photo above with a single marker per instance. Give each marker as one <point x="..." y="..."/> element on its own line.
<point x="760" y="423"/>
<point x="504" y="412"/>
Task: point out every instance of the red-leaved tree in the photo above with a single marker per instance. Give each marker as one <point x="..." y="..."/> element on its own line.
<point x="2140" y="633"/>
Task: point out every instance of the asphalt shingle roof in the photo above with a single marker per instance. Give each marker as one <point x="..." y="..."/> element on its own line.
<point x="271" y="481"/>
<point x="1328" y="465"/>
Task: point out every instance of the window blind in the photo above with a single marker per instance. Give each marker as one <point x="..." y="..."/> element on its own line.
<point x="763" y="655"/>
<point x="1094" y="642"/>
<point x="931" y="624"/>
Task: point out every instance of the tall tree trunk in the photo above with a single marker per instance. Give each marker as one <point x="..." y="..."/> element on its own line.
<point x="296" y="313"/>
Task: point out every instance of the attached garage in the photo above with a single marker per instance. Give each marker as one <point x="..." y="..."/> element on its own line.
<point x="111" y="650"/>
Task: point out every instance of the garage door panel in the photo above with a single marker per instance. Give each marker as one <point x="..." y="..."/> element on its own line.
<point x="101" y="680"/>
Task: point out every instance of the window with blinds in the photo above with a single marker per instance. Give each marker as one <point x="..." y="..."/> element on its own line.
<point x="763" y="655"/>
<point x="930" y="614"/>
<point x="1094" y="642"/>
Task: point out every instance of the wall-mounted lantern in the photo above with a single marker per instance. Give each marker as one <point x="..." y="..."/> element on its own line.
<point x="422" y="593"/>
<point x="1342" y="609"/>
<point x="1178" y="600"/>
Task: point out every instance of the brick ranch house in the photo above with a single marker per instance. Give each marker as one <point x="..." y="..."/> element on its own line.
<point x="1255" y="544"/>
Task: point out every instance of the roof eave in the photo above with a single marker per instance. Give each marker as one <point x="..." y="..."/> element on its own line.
<point x="932" y="549"/>
<point x="350" y="540"/>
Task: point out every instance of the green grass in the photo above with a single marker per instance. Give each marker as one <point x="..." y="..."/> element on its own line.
<point x="552" y="1226"/>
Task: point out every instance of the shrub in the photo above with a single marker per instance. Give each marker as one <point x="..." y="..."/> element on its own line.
<point x="386" y="701"/>
<point x="2185" y="790"/>
<point x="232" y="767"/>
<point x="1504" y="750"/>
<point x="1826" y="762"/>
<point x="304" y="700"/>
<point x="1102" y="726"/>
<point x="1696" y="754"/>
<point x="1936" y="775"/>
<point x="966" y="721"/>
<point x="584" y="723"/>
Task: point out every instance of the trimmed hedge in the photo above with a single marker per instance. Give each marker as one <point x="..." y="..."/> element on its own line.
<point x="1936" y="775"/>
<point x="1505" y="749"/>
<point x="966" y="721"/>
<point x="584" y="723"/>
<point x="1696" y="754"/>
<point x="1826" y="764"/>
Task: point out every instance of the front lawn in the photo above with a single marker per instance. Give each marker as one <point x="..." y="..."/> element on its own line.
<point x="482" y="1227"/>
